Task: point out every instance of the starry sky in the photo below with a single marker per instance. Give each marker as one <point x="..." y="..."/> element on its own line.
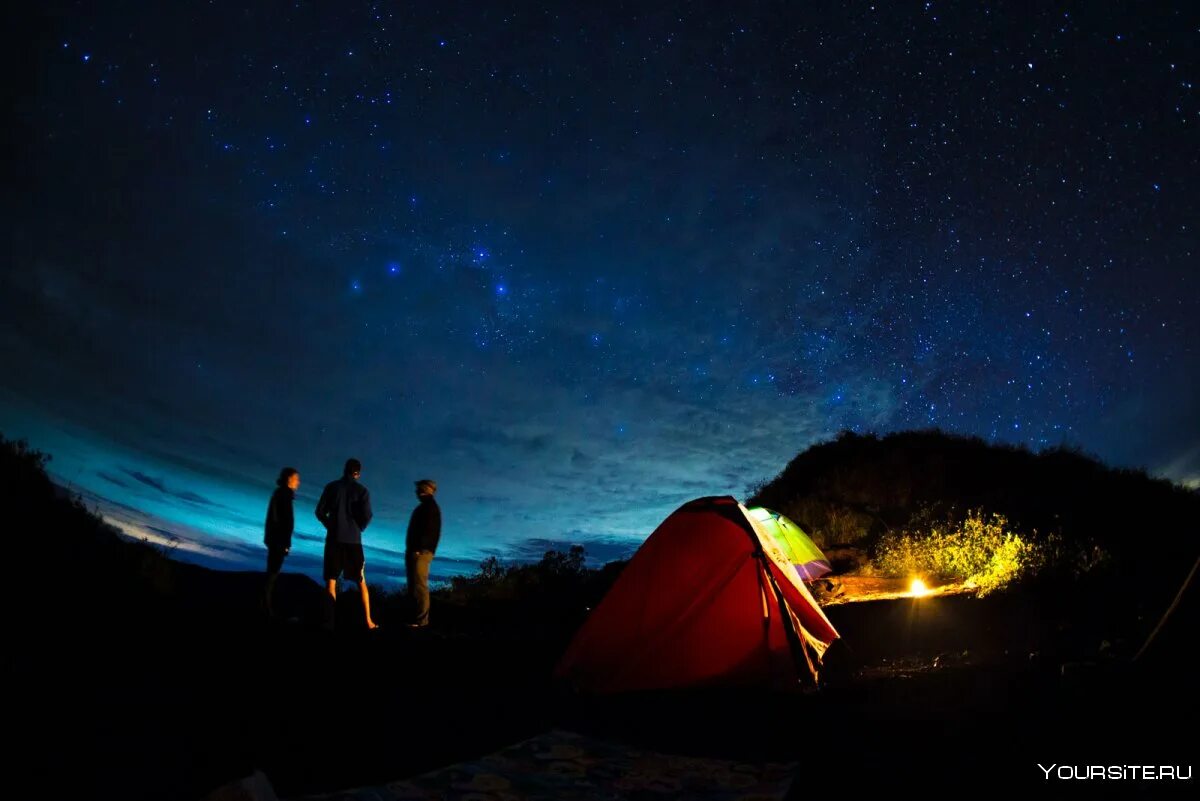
<point x="583" y="262"/>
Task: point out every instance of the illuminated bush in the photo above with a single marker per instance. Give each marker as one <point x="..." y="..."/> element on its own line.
<point x="980" y="551"/>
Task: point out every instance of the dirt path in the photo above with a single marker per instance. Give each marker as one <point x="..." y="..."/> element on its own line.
<point x="856" y="589"/>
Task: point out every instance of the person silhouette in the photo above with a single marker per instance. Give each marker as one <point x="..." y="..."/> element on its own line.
<point x="278" y="530"/>
<point x="424" y="532"/>
<point x="345" y="511"/>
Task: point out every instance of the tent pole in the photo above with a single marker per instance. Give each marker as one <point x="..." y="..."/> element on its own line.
<point x="795" y="645"/>
<point x="1170" y="609"/>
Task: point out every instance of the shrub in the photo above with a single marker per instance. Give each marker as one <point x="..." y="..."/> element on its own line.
<point x="981" y="551"/>
<point x="853" y="490"/>
<point x="557" y="572"/>
<point x="96" y="569"/>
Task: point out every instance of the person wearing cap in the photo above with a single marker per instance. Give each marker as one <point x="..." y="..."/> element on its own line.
<point x="424" y="531"/>
<point x="345" y="511"/>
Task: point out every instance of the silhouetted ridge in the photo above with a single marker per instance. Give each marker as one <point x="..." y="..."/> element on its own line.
<point x="850" y="490"/>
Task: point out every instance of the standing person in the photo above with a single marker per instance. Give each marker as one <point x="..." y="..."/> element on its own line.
<point x="424" y="531"/>
<point x="280" y="523"/>
<point x="345" y="511"/>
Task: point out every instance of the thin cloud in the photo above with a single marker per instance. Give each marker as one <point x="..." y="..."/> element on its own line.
<point x="160" y="485"/>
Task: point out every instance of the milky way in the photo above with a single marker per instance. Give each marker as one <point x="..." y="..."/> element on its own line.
<point x="582" y="265"/>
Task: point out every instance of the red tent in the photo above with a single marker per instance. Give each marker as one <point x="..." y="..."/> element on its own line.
<point x="709" y="599"/>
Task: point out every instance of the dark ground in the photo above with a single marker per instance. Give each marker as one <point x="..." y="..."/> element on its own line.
<point x="950" y="696"/>
<point x="132" y="676"/>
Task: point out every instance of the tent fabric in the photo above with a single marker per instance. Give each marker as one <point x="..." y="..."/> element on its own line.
<point x="806" y="558"/>
<point x="709" y="599"/>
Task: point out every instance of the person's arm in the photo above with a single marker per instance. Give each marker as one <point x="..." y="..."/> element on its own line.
<point x="411" y="533"/>
<point x="322" y="511"/>
<point x="272" y="517"/>
<point x="365" y="510"/>
<point x="288" y="519"/>
<point x="425" y="526"/>
<point x="435" y="528"/>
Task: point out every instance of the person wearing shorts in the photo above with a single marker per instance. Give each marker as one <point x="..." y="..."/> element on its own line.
<point x="345" y="511"/>
<point x="344" y="561"/>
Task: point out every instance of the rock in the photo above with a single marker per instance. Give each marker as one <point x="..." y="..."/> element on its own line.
<point x="255" y="787"/>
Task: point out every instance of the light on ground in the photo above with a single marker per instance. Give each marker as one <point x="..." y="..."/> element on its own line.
<point x="917" y="588"/>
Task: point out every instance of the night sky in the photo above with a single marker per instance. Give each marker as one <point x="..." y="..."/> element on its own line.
<point x="583" y="264"/>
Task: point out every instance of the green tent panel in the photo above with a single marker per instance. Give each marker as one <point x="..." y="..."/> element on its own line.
<point x="800" y="550"/>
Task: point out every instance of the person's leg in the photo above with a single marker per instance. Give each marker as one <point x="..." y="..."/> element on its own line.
<point x="366" y="602"/>
<point x="355" y="563"/>
<point x="410" y="579"/>
<point x="268" y="593"/>
<point x="332" y="567"/>
<point x="421" y="586"/>
<point x="274" y="566"/>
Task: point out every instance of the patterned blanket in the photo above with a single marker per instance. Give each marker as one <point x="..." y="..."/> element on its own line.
<point x="563" y="766"/>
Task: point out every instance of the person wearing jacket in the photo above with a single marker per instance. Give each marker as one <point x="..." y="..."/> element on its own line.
<point x="278" y="529"/>
<point x="345" y="511"/>
<point x="424" y="531"/>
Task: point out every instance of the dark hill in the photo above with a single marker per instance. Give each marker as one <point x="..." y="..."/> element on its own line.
<point x="851" y="490"/>
<point x="135" y="676"/>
